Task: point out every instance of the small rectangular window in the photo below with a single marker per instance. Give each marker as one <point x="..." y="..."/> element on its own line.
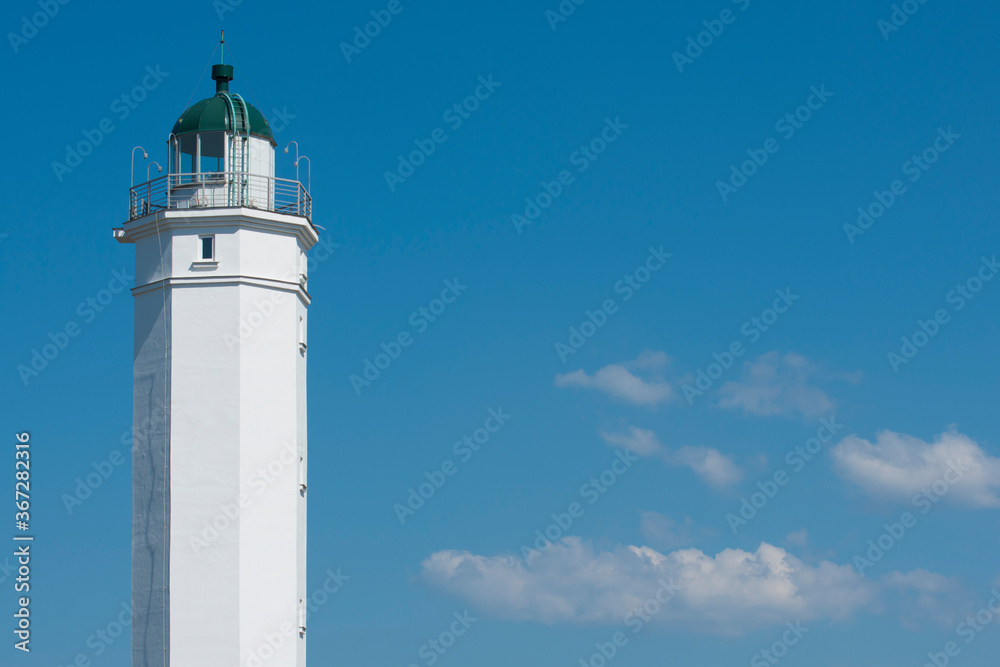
<point x="207" y="248"/>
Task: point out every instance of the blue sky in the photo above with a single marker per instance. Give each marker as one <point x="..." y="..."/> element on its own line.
<point x="879" y="98"/>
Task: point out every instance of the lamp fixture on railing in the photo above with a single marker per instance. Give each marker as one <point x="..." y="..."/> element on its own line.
<point x="158" y="168"/>
<point x="177" y="152"/>
<point x="296" y="157"/>
<point x="145" y="156"/>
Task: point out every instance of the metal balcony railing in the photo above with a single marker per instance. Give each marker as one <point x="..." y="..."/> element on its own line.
<point x="222" y="189"/>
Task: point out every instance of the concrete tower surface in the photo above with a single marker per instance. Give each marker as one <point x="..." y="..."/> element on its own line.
<point x="219" y="465"/>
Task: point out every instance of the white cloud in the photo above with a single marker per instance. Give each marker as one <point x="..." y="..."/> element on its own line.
<point x="898" y="466"/>
<point x="717" y="469"/>
<point x="649" y="360"/>
<point x="714" y="467"/>
<point x="639" y="441"/>
<point x="617" y="380"/>
<point x="778" y="385"/>
<point x="729" y="594"/>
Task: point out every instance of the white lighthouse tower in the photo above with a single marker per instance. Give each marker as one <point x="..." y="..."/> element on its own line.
<point x="219" y="466"/>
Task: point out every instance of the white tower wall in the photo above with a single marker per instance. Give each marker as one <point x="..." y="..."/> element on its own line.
<point x="219" y="511"/>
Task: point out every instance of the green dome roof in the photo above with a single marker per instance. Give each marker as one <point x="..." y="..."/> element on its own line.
<point x="214" y="113"/>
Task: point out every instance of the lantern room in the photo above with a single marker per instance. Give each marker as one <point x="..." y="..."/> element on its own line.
<point x="222" y="151"/>
<point x="220" y="154"/>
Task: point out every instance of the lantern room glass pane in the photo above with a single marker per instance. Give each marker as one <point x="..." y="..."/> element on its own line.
<point x="213" y="152"/>
<point x="209" y="157"/>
